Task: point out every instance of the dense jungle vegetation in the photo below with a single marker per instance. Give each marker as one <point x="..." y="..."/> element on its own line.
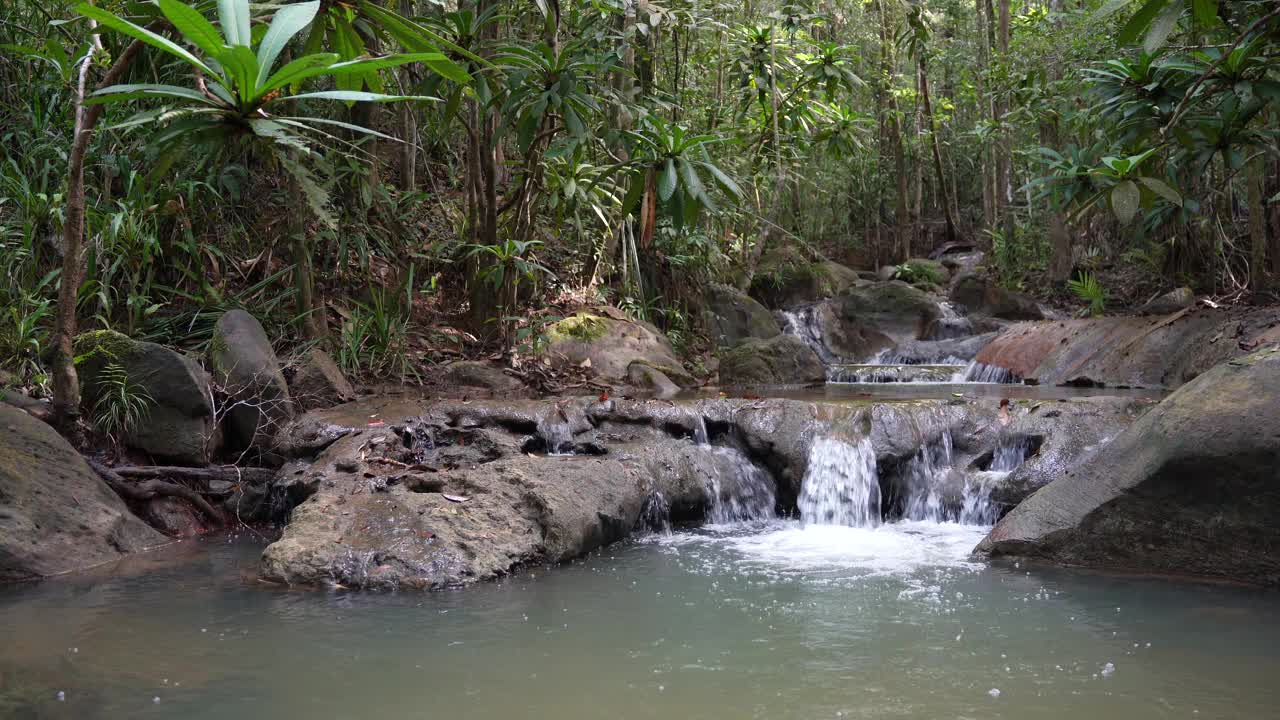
<point x="410" y="181"/>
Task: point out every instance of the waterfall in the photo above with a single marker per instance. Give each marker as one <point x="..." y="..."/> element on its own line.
<point x="803" y="323"/>
<point x="700" y="430"/>
<point x="740" y="491"/>
<point x="840" y="486"/>
<point x="926" y="477"/>
<point x="983" y="373"/>
<point x="895" y="373"/>
<point x="1010" y="453"/>
<point x="937" y="492"/>
<point x="951" y="324"/>
<point x="557" y="437"/>
<point x="656" y="514"/>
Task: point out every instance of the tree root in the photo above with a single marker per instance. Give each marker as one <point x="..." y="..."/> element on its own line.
<point x="253" y="476"/>
<point x="154" y="488"/>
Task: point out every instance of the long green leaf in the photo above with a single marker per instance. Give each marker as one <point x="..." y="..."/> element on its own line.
<point x="1163" y="190"/>
<point x="306" y="121"/>
<point x="234" y="15"/>
<point x="193" y="26"/>
<point x="416" y="37"/>
<point x="121" y="25"/>
<point x="667" y="181"/>
<point x="120" y="93"/>
<point x="725" y="182"/>
<point x="1140" y="21"/>
<point x="354" y="96"/>
<point x="1162" y="27"/>
<point x="288" y="22"/>
<point x="297" y="71"/>
<point x="242" y="69"/>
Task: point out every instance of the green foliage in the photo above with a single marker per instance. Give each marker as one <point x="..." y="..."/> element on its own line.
<point x="1086" y="287"/>
<point x="914" y="271"/>
<point x="120" y="404"/>
<point x="374" y="339"/>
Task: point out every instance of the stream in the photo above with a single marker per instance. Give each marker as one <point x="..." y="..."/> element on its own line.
<point x="769" y="619"/>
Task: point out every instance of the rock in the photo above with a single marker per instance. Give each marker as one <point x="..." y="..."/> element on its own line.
<point x="319" y="382"/>
<point x="398" y="529"/>
<point x="731" y="316"/>
<point x="886" y="273"/>
<point x="1131" y="351"/>
<point x="1191" y="487"/>
<point x="1170" y="302"/>
<point x="935" y="352"/>
<point x="893" y="308"/>
<point x="247" y="371"/>
<point x="173" y="517"/>
<point x="782" y="360"/>
<point x="844" y="341"/>
<point x="56" y="514"/>
<point x="979" y="295"/>
<point x="609" y="346"/>
<point x="787" y="277"/>
<point x="486" y="376"/>
<point x="179" y="425"/>
<point x="652" y="379"/>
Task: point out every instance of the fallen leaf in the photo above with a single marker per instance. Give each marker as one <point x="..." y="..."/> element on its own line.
<point x="455" y="498"/>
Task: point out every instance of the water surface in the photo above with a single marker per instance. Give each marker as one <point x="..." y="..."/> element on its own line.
<point x="771" y="620"/>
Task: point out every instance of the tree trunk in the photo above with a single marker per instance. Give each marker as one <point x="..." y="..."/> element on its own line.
<point x="312" y="318"/>
<point x="902" y="234"/>
<point x="1257" y="225"/>
<point x="1004" y="164"/>
<point x="66" y="384"/>
<point x="939" y="169"/>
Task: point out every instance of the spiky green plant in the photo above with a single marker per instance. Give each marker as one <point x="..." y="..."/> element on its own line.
<point x="121" y="404"/>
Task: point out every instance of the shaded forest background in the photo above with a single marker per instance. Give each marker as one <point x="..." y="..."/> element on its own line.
<point x="453" y="177"/>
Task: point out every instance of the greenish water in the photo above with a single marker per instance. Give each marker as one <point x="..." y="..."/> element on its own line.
<point x="771" y="621"/>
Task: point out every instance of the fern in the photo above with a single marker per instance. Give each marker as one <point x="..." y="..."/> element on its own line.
<point x="1086" y="287"/>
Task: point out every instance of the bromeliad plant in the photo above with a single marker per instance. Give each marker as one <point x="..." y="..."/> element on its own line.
<point x="238" y="92"/>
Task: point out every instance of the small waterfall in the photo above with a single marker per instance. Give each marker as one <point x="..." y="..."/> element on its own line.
<point x="740" y="491"/>
<point x="840" y="486"/>
<point x="926" y="478"/>
<point x="557" y="437"/>
<point x="803" y="323"/>
<point x="655" y="517"/>
<point x="937" y="492"/>
<point x="700" y="436"/>
<point x="1010" y="453"/>
<point x="895" y="373"/>
<point x="983" y="373"/>
<point x="951" y="323"/>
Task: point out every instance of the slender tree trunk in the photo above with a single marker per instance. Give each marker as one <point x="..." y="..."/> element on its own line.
<point x="939" y="168"/>
<point x="312" y="317"/>
<point x="66" y="384"/>
<point x="902" y="232"/>
<point x="920" y="239"/>
<point x="1273" y="189"/>
<point x="1257" y="225"/>
<point x="1004" y="170"/>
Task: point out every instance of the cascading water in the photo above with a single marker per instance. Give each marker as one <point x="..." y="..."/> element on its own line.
<point x="937" y="492"/>
<point x="740" y="491"/>
<point x="656" y="514"/>
<point x="557" y="437"/>
<point x="1009" y="454"/>
<point x="983" y="373"/>
<point x="951" y="323"/>
<point x="803" y="323"/>
<point x="840" y="486"/>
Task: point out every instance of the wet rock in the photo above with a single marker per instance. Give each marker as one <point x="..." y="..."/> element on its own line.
<point x="486" y="376"/>
<point x="652" y="380"/>
<point x="173" y="517"/>
<point x="56" y="515"/>
<point x="844" y="340"/>
<point x="782" y="360"/>
<point x="731" y="316"/>
<point x="247" y="372"/>
<point x="318" y="382"/>
<point x="940" y="351"/>
<point x="1191" y="487"/>
<point x="1131" y="351"/>
<point x="179" y="424"/>
<point x="979" y="294"/>
<point x="608" y="346"/>
<point x="1170" y="302"/>
<point x="893" y="308"/>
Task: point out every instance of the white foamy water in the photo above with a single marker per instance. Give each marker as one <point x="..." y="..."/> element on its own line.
<point x="897" y="549"/>
<point x="840" y="486"/>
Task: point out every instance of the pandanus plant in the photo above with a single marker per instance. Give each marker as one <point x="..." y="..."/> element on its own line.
<point x="239" y="93"/>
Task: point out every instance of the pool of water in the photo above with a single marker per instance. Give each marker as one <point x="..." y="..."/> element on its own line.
<point x="772" y="620"/>
<point x="874" y="392"/>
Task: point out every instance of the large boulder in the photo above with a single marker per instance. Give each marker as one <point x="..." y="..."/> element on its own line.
<point x="56" y="515"/>
<point x="980" y="295"/>
<point x="894" y="308"/>
<point x="1130" y="351"/>
<point x="781" y="360"/>
<point x="319" y="382"/>
<point x="455" y="498"/>
<point x="1191" y="487"/>
<point x="248" y="373"/>
<point x="483" y="376"/>
<point x="731" y="316"/>
<point x="1170" y="302"/>
<point x="179" y="424"/>
<point x="608" y="346"/>
<point x="786" y="277"/>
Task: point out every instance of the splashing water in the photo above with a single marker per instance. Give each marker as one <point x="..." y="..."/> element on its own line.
<point x="740" y="491"/>
<point x="656" y="515"/>
<point x="803" y="324"/>
<point x="927" y="475"/>
<point x="841" y="486"/>
<point x="984" y="373"/>
<point x="1010" y="453"/>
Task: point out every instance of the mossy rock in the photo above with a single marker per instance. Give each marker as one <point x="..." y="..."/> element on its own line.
<point x="786" y="277"/>
<point x="730" y="316"/>
<point x="179" y="424"/>
<point x="894" y="308"/>
<point x="781" y="360"/>
<point x="609" y="346"/>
